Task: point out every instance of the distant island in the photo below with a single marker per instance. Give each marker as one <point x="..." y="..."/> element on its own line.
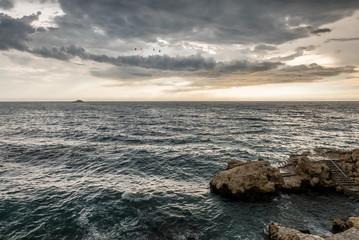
<point x="78" y="101"/>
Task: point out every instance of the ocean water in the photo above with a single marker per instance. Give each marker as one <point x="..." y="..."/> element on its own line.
<point x="141" y="170"/>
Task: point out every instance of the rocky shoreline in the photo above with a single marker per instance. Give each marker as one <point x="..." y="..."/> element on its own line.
<point x="258" y="180"/>
<point x="343" y="230"/>
<point x="319" y="170"/>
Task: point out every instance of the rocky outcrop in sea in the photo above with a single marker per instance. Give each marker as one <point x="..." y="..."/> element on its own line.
<point x="319" y="170"/>
<point x="349" y="232"/>
<point x="248" y="180"/>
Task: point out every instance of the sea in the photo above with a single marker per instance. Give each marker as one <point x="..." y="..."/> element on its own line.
<point x="141" y="170"/>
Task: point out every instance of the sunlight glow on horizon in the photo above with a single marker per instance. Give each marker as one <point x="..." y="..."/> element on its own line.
<point x="63" y="54"/>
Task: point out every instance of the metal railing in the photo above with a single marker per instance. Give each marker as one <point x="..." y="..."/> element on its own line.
<point x="335" y="164"/>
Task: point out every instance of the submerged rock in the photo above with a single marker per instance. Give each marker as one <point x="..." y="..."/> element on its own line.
<point x="251" y="180"/>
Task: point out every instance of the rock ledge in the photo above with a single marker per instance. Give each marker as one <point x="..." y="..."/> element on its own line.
<point x="258" y="180"/>
<point x="279" y="232"/>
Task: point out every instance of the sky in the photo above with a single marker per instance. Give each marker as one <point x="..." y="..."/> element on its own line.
<point x="170" y="50"/>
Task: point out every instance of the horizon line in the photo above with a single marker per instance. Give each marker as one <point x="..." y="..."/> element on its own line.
<point x="89" y="101"/>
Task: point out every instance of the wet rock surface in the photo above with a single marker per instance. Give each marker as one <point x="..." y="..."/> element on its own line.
<point x="279" y="232"/>
<point x="306" y="174"/>
<point x="255" y="180"/>
<point x="252" y="180"/>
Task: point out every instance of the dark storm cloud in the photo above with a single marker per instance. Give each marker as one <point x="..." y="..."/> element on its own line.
<point x="245" y="66"/>
<point x="60" y="54"/>
<point x="320" y="30"/>
<point x="264" y="47"/>
<point x="253" y="22"/>
<point x="163" y="62"/>
<point x="160" y="62"/>
<point x="14" y="32"/>
<point x="40" y="29"/>
<point x="289" y="74"/>
<point x="226" y="75"/>
<point x="191" y="63"/>
<point x="228" y="21"/>
<point x="314" y="70"/>
<point x="128" y="75"/>
<point x="219" y="70"/>
<point x="342" y="39"/>
<point x="199" y="70"/>
<point x="6" y="4"/>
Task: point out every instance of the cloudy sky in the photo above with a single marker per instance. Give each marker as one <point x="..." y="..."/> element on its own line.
<point x="179" y="50"/>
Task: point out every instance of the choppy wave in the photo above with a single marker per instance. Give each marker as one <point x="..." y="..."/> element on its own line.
<point x="141" y="170"/>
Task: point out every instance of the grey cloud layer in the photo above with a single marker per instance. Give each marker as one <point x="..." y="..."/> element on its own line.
<point x="14" y="33"/>
<point x="298" y="52"/>
<point x="226" y="21"/>
<point x="6" y="4"/>
<point x="263" y="47"/>
<point x="260" y="23"/>
<point x="320" y="30"/>
<point x="342" y="39"/>
<point x="161" y="62"/>
<point x="294" y="74"/>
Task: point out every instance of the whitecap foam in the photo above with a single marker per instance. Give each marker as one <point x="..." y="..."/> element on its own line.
<point x="136" y="196"/>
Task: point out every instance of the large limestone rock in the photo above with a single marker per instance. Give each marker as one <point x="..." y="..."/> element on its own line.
<point x="293" y="183"/>
<point x="248" y="180"/>
<point x="278" y="232"/>
<point x="316" y="174"/>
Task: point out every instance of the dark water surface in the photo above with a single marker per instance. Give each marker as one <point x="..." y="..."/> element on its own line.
<point x="142" y="170"/>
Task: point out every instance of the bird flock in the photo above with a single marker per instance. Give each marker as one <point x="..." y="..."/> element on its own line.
<point x="154" y="50"/>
